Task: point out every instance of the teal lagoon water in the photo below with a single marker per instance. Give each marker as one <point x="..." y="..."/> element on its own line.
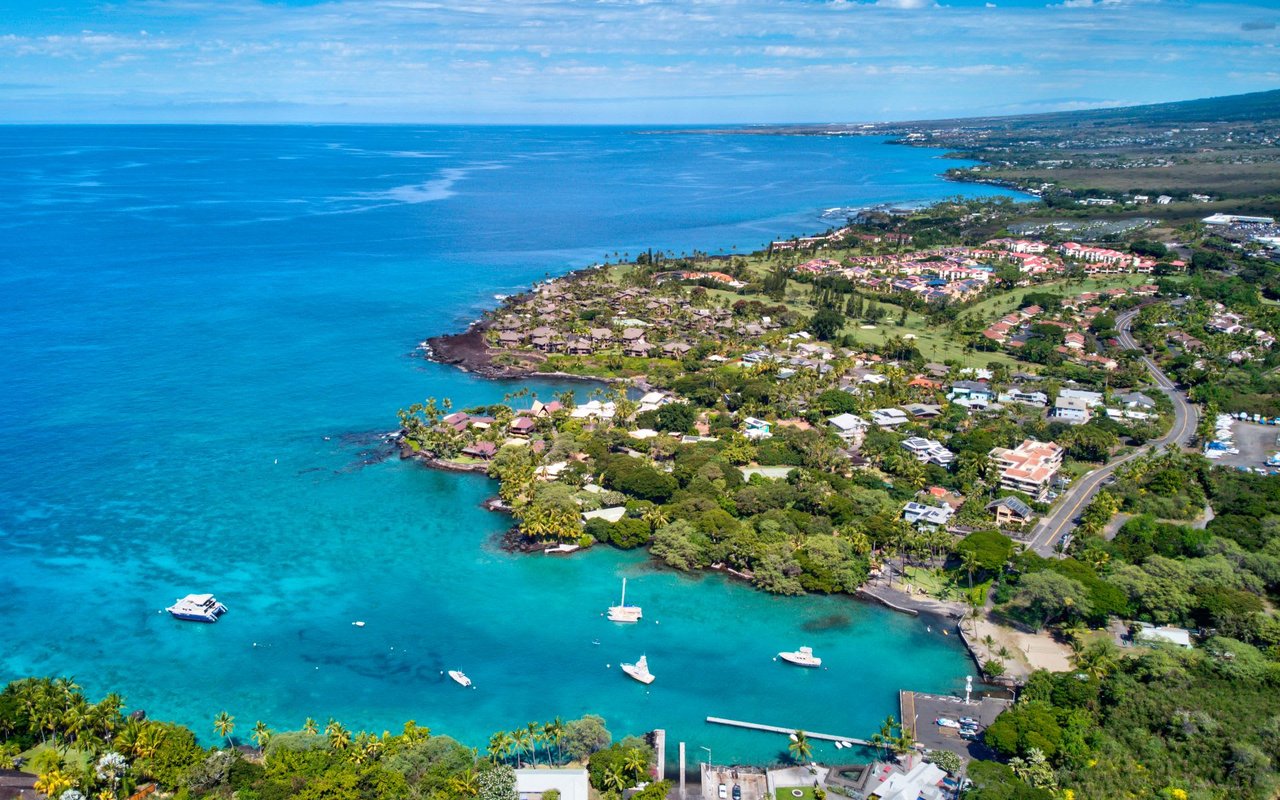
<point x="204" y="330"/>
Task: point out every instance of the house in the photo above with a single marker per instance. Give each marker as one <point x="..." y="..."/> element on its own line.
<point x="1135" y="400"/>
<point x="1071" y="410"/>
<point x="1028" y="468"/>
<point x="920" y="515"/>
<point x="922" y="782"/>
<point x="509" y="339"/>
<point x="600" y="335"/>
<point x="889" y="417"/>
<point x="1074" y="340"/>
<point x="1150" y="634"/>
<point x="675" y="349"/>
<point x="481" y="450"/>
<point x="636" y="348"/>
<point x="756" y="429"/>
<point x="928" y="451"/>
<point x="572" y="784"/>
<point x="541" y="409"/>
<point x="1017" y="395"/>
<point x="923" y="410"/>
<point x="579" y="346"/>
<point x="1010" y="511"/>
<point x="945" y="496"/>
<point x="594" y="410"/>
<point x="522" y="427"/>
<point x="607" y="514"/>
<point x="971" y="394"/>
<point x="458" y="420"/>
<point x="1091" y="399"/>
<point x="849" y="427"/>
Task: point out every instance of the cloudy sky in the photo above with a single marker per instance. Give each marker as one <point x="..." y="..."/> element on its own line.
<point x="619" y="61"/>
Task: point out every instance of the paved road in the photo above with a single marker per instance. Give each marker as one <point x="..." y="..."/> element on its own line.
<point x="1185" y="418"/>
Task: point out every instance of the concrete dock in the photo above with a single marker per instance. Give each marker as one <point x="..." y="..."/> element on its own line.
<point x="755" y="726"/>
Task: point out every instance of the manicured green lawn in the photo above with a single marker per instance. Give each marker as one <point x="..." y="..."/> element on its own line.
<point x="787" y="793"/>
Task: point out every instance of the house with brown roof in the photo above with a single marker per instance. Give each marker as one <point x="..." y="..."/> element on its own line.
<point x="522" y="427"/>
<point x="637" y="348"/>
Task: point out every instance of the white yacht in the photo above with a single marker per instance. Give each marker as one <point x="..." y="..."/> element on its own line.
<point x="197" y="608"/>
<point x="623" y="612"/>
<point x="639" y="670"/>
<point x="803" y="657"/>
<point x="460" y="676"/>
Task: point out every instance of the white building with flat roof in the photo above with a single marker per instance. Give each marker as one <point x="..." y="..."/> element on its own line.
<point x="572" y="784"/>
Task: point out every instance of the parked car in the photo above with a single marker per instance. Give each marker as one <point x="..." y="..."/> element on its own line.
<point x="724" y="791"/>
<point x="737" y="792"/>
<point x="946" y="723"/>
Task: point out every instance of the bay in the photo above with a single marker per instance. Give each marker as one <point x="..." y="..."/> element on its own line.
<point x="205" y="327"/>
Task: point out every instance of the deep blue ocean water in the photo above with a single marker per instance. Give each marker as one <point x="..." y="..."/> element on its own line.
<point x="201" y="326"/>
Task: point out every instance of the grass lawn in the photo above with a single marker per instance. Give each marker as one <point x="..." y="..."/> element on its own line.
<point x="788" y="793"/>
<point x="934" y="584"/>
<point x="991" y="308"/>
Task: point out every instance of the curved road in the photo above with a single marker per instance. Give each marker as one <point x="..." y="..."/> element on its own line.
<point x="1061" y="519"/>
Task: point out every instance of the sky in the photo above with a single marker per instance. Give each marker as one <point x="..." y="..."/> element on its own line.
<point x="619" y="61"/>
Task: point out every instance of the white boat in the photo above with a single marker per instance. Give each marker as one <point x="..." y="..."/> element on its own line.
<point x="197" y="608"/>
<point x="803" y="657"/>
<point x="460" y="676"/>
<point x="623" y="612"/>
<point x="639" y="670"/>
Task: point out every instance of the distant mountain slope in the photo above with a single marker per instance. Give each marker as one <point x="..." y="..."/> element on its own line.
<point x="1253" y="107"/>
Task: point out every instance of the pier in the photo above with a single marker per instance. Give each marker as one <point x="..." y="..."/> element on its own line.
<point x="755" y="726"/>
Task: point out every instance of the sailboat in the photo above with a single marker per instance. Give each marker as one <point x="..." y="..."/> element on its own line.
<point x="639" y="670"/>
<point x="623" y="612"/>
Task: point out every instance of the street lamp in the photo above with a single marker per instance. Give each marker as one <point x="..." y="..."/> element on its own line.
<point x="708" y="749"/>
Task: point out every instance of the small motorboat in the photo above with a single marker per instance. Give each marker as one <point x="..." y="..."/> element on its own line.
<point x="803" y="657"/>
<point x="460" y="677"/>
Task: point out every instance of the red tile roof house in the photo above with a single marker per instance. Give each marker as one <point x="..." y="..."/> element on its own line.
<point x="1074" y="340"/>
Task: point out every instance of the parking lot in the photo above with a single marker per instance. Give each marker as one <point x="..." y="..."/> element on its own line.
<point x="923" y="709"/>
<point x="752" y="784"/>
<point x="1255" y="442"/>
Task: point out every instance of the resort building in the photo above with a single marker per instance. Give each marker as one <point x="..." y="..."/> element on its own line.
<point x="1028" y="468"/>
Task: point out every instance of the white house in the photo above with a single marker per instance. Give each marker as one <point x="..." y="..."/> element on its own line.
<point x="1091" y="399"/>
<point x="849" y="427"/>
<point x="1164" y="635"/>
<point x="921" y="515"/>
<point x="1071" y="410"/>
<point x="928" y="451"/>
<point x="532" y="784"/>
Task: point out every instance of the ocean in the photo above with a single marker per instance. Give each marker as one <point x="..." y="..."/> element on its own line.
<point x="205" y="329"/>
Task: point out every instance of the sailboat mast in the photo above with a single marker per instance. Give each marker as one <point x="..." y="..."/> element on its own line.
<point x="624" y="593"/>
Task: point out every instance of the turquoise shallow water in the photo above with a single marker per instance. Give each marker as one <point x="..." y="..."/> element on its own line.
<point x="202" y="328"/>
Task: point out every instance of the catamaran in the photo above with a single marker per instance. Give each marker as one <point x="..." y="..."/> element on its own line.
<point x="623" y="612"/>
<point x="803" y="657"/>
<point x="197" y="608"/>
<point x="639" y="670"/>
<point x="460" y="676"/>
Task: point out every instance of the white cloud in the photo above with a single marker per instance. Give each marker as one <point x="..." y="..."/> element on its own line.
<point x="906" y="3"/>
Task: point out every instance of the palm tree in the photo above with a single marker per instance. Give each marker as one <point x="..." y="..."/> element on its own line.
<point x="614" y="779"/>
<point x="535" y="736"/>
<point x="800" y="748"/>
<point x="557" y="736"/>
<point x="310" y="726"/>
<point x="54" y="782"/>
<point x="465" y="783"/>
<point x="339" y="737"/>
<point x="636" y="763"/>
<point x="969" y="562"/>
<point x="261" y="733"/>
<point x="521" y="742"/>
<point x="224" y="724"/>
<point x="499" y="746"/>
